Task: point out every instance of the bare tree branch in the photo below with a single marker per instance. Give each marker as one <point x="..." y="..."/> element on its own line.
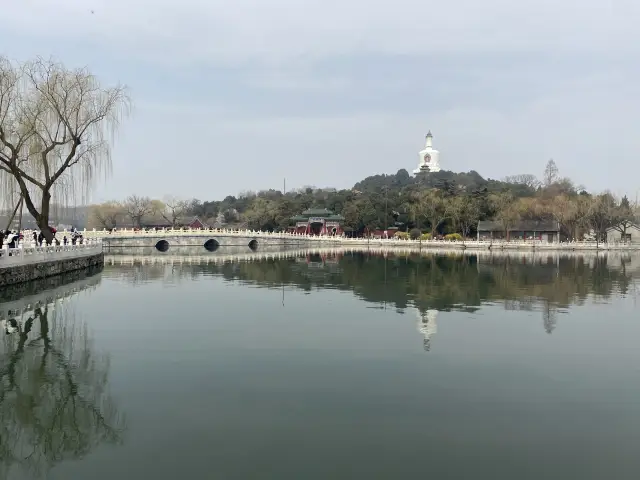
<point x="137" y="208"/>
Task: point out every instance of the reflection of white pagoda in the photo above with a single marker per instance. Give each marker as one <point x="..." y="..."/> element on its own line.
<point x="427" y="326"/>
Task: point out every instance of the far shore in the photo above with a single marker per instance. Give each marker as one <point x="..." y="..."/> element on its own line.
<point x="496" y="245"/>
<point x="316" y="241"/>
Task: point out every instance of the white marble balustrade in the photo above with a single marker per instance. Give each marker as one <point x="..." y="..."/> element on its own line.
<point x="337" y="240"/>
<point x="30" y="253"/>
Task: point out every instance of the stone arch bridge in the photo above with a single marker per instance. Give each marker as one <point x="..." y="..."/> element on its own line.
<point x="207" y="240"/>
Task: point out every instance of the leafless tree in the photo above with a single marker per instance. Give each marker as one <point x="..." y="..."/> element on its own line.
<point x="174" y="208"/>
<point x="550" y="175"/>
<point x="622" y="216"/>
<point x="107" y="215"/>
<point x="56" y="130"/>
<point x="507" y="209"/>
<point x="137" y="208"/>
<point x="525" y="179"/>
<point x="599" y="214"/>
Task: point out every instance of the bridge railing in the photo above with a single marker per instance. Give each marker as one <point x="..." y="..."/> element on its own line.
<point x="30" y="253"/>
<point x="470" y="243"/>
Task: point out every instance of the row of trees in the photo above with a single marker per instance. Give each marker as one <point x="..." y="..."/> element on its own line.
<point x="437" y="203"/>
<point x="451" y="282"/>
<point x="139" y="212"/>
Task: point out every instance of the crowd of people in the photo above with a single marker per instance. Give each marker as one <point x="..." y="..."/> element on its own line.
<point x="13" y="239"/>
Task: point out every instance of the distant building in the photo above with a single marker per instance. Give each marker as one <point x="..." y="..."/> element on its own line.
<point x="631" y="235"/>
<point x="429" y="158"/>
<point x="525" y="230"/>
<point x="196" y="223"/>
<point x="317" y="221"/>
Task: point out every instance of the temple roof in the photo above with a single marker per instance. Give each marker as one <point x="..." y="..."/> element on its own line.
<point x="525" y="225"/>
<point x="317" y="212"/>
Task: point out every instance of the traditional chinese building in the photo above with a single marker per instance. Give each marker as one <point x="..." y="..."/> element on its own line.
<point x="317" y="221"/>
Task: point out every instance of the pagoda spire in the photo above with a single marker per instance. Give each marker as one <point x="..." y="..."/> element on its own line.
<point x="429" y="140"/>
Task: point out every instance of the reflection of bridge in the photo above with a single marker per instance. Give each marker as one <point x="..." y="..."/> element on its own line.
<point x="614" y="258"/>
<point x="167" y="259"/>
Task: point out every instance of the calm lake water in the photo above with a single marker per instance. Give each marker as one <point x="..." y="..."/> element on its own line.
<point x="332" y="366"/>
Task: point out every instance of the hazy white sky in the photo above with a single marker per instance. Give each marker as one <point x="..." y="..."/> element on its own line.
<point x="236" y="95"/>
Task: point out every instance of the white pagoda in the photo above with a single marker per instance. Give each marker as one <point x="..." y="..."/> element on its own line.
<point x="429" y="160"/>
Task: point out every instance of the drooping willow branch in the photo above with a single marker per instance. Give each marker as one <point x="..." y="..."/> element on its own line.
<point x="57" y="127"/>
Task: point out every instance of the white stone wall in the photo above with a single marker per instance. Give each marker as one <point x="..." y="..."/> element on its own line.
<point x="614" y="235"/>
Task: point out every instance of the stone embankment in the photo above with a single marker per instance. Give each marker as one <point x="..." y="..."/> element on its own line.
<point x="29" y="263"/>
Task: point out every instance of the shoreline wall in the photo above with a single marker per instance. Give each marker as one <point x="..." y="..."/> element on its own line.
<point x="21" y="273"/>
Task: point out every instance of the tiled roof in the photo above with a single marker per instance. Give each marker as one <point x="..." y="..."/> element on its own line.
<point x="317" y="212"/>
<point x="526" y="226"/>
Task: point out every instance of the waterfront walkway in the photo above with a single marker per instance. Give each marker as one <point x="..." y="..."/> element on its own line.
<point x="328" y="241"/>
<point x="30" y="253"/>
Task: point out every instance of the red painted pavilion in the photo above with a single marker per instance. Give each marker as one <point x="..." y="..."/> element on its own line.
<point x="317" y="221"/>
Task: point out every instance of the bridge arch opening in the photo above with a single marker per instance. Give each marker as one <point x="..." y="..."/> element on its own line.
<point x="253" y="244"/>
<point x="211" y="245"/>
<point x="162" y="246"/>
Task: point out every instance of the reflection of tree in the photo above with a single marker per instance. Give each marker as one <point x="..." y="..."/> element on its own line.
<point x="435" y="281"/>
<point x="139" y="273"/>
<point x="549" y="319"/>
<point x="54" y="402"/>
<point x="441" y="282"/>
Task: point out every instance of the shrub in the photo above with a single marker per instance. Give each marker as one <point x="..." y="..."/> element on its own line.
<point x="453" y="236"/>
<point x="401" y="235"/>
<point x="415" y="233"/>
<point x="425" y="236"/>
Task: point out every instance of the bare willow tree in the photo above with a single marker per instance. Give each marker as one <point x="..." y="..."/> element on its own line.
<point x="107" y="215"/>
<point x="56" y="129"/>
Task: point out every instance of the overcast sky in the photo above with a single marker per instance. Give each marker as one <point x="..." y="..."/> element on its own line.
<point x="235" y="95"/>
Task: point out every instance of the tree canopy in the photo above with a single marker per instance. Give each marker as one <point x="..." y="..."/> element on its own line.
<point x="435" y="203"/>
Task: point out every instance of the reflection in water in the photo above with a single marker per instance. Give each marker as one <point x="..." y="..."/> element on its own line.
<point x="213" y="370"/>
<point x="427" y="326"/>
<point x="548" y="283"/>
<point x="12" y="307"/>
<point x="54" y="400"/>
